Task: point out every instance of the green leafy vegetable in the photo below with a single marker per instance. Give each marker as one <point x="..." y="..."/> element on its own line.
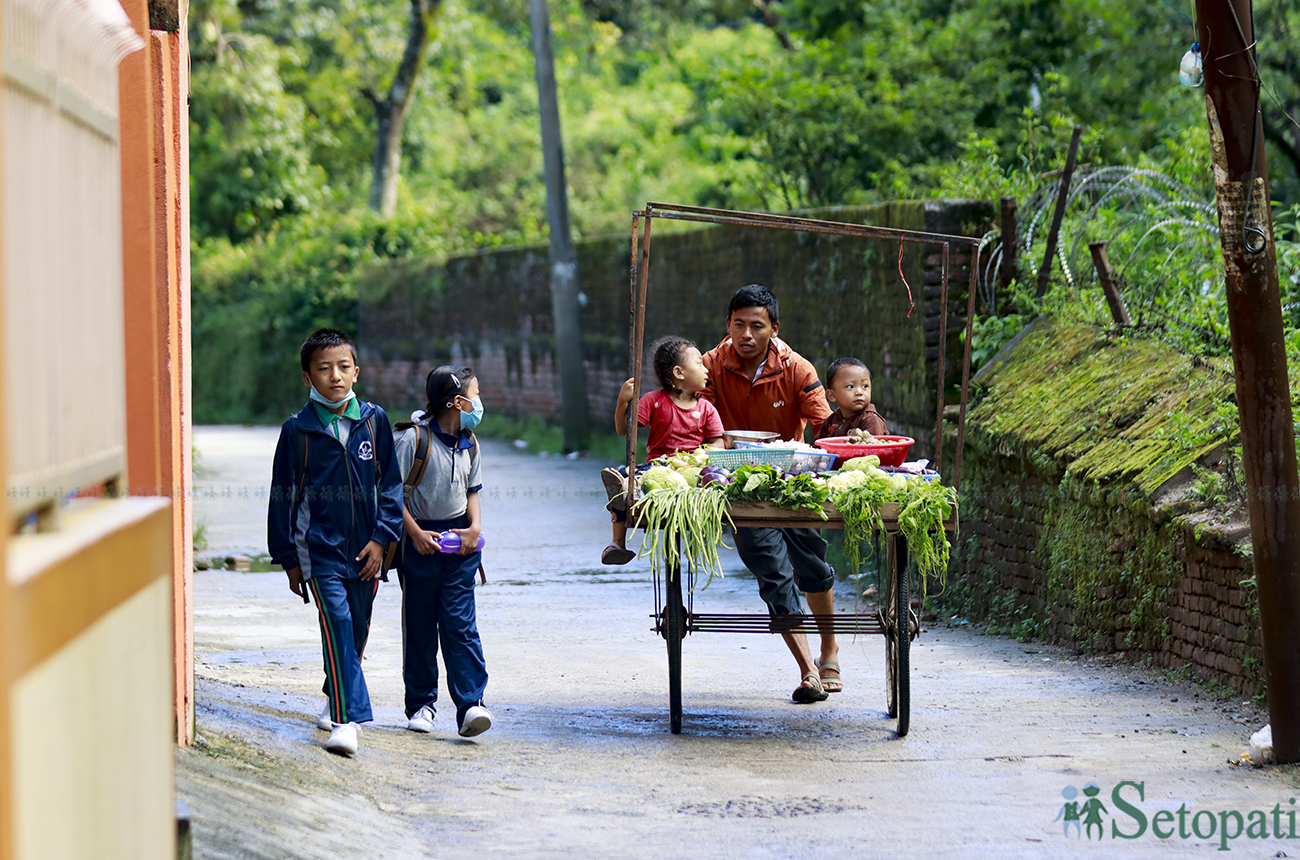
<point x="802" y="493"/>
<point x="922" y="508"/>
<point x="754" y="483"/>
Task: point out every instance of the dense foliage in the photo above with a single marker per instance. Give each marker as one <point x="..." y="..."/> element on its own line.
<point x="719" y="102"/>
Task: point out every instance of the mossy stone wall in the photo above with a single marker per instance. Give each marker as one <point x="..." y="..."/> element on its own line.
<point x="839" y="296"/>
<point x="1070" y="528"/>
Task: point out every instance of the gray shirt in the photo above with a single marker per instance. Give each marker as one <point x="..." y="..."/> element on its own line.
<point x="448" y="478"/>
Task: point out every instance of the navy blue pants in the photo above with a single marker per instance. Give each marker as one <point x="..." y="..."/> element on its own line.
<point x="344" y="603"/>
<point x="785" y="562"/>
<point x="438" y="607"/>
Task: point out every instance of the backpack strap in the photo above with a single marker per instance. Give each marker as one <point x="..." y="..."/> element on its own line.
<point x="374" y="459"/>
<point x="421" y="461"/>
<point x="418" y="464"/>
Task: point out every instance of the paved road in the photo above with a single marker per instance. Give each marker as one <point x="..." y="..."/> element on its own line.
<point x="580" y="761"/>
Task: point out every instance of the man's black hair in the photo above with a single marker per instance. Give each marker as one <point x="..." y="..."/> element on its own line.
<point x="839" y="364"/>
<point x="755" y="296"/>
<point x="325" y="338"/>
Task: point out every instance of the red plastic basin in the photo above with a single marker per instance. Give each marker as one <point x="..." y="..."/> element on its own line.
<point x="892" y="450"/>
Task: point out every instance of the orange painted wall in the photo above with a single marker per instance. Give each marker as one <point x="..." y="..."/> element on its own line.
<point x="154" y="120"/>
<point x="145" y="413"/>
<point x="171" y="187"/>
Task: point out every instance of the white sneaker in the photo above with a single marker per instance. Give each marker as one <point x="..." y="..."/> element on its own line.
<point x="422" y="720"/>
<point x="477" y="721"/>
<point x="323" y="722"/>
<point x="343" y="740"/>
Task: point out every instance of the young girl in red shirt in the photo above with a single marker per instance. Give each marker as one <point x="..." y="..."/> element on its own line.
<point x="678" y="420"/>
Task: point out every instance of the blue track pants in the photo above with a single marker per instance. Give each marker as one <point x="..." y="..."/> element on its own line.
<point x="344" y="604"/>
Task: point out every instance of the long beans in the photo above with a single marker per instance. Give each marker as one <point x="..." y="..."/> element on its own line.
<point x="683" y="527"/>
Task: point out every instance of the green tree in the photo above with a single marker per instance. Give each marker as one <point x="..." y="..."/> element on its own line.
<point x="249" y="166"/>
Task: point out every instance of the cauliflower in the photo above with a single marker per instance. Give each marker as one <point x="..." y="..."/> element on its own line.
<point x="845" y="480"/>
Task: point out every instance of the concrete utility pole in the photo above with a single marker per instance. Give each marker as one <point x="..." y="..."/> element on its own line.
<point x="1226" y="32"/>
<point x="564" y="261"/>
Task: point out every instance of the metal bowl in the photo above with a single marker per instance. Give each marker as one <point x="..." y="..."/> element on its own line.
<point x="734" y="436"/>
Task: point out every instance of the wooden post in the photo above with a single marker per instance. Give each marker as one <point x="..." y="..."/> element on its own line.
<point x="1062" y="197"/>
<point x="1010" y="237"/>
<point x="1232" y="95"/>
<point x="1109" y="287"/>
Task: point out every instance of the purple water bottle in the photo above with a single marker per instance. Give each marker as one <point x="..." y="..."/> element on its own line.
<point x="449" y="542"/>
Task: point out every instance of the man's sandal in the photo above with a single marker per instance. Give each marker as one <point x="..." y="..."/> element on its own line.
<point x="615" y="554"/>
<point x="809" y="690"/>
<point x="832" y="684"/>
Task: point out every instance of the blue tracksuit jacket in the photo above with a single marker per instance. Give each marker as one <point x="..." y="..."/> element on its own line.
<point x="328" y="502"/>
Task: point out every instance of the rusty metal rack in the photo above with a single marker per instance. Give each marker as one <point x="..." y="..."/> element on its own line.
<point x="674" y="613"/>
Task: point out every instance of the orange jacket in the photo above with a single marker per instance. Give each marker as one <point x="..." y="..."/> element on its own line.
<point x="786" y="395"/>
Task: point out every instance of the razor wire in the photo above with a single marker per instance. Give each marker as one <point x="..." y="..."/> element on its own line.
<point x="1163" y="231"/>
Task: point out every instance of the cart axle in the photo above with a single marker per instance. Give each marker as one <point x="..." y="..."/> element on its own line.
<point x="840" y="624"/>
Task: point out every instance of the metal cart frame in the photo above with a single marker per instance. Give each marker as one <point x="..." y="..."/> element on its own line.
<point x="674" y="616"/>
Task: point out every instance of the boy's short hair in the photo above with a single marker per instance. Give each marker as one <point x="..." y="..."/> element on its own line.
<point x="755" y="296"/>
<point x="839" y="364"/>
<point x="324" y="338"/>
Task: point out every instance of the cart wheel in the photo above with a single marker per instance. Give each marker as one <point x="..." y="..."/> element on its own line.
<point x="902" y="641"/>
<point x="676" y="615"/>
<point x="891" y="676"/>
<point x="888" y="622"/>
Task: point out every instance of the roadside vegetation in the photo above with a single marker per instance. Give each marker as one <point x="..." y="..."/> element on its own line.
<point x="735" y="103"/>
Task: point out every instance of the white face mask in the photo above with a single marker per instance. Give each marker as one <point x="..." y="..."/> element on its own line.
<point x="333" y="404"/>
<point x="470" y="420"/>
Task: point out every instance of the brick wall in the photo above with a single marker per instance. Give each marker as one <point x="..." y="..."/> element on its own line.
<point x="1101" y="564"/>
<point x="839" y="296"/>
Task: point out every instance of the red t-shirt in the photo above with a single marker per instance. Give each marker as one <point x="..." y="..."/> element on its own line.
<point x="673" y="428"/>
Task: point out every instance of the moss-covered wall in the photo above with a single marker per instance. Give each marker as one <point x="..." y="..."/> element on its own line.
<point x="1076" y="521"/>
<point x="839" y="296"/>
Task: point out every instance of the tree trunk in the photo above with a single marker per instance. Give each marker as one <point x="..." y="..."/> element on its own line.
<point x="773" y="22"/>
<point x="1232" y="102"/>
<point x="392" y="110"/>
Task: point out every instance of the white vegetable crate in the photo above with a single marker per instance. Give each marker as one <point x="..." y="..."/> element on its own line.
<point x="812" y="461"/>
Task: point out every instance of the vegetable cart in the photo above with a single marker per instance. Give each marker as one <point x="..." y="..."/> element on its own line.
<point x="674" y="612"/>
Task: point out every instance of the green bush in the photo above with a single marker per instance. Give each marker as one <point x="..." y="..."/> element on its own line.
<point x="256" y="302"/>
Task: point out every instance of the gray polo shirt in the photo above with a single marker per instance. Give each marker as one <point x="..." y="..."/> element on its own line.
<point x="452" y="473"/>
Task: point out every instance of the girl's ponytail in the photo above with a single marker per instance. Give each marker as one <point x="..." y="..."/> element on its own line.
<point x="425" y="416"/>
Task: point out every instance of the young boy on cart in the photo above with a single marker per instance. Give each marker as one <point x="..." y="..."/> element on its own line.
<point x="757" y="382"/>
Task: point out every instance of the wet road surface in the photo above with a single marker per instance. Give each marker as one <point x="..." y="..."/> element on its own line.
<point x="580" y="760"/>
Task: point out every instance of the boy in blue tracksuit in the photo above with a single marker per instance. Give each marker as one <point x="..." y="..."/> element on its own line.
<point x="336" y="502"/>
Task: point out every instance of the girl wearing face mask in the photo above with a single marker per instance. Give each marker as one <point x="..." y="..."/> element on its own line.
<point x="438" y="587"/>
